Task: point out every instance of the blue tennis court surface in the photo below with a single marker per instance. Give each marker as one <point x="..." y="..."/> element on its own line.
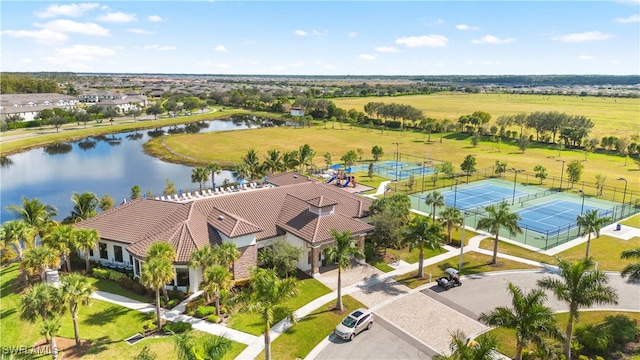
<point x="391" y="169"/>
<point x="470" y="197"/>
<point x="554" y="214"/>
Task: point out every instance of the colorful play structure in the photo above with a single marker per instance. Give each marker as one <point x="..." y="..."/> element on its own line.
<point x="341" y="178"/>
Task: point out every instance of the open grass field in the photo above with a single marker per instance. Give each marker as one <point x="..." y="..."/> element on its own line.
<point x="612" y="117"/>
<point x="104" y="324"/>
<point x="227" y="149"/>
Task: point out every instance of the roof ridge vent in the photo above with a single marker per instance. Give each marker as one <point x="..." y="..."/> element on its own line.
<point x="220" y="217"/>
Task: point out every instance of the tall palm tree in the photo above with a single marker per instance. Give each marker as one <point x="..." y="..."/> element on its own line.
<point x="15" y="233"/>
<point x="156" y="272"/>
<point x="463" y="348"/>
<point x="499" y="216"/>
<point x="631" y="270"/>
<point x="306" y="154"/>
<point x="63" y="239"/>
<point x="589" y="222"/>
<point x="199" y="175"/>
<point x="76" y="291"/>
<point x="434" y="199"/>
<point x="86" y="240"/>
<point x="84" y="206"/>
<point x="217" y="280"/>
<point x="344" y="249"/>
<point x="452" y="219"/>
<point x="41" y="301"/>
<point x="252" y="160"/>
<point x="162" y="249"/>
<point x="226" y="254"/>
<point x="273" y="163"/>
<point x="266" y="296"/>
<point x="214" y="348"/>
<point x="422" y="233"/>
<point x="36" y="214"/>
<point x="49" y="329"/>
<point x="580" y="287"/>
<point x="41" y="258"/>
<point x="214" y="169"/>
<point x="202" y="258"/>
<point x="529" y="317"/>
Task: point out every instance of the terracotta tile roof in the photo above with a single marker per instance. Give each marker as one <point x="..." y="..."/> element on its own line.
<point x="266" y="212"/>
<point x="288" y="178"/>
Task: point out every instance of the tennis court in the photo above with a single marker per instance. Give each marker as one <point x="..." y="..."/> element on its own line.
<point x="475" y="196"/>
<point x="552" y="215"/>
<point x="392" y="169"/>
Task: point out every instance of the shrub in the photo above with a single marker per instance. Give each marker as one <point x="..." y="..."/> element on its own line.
<point x="116" y="276"/>
<point x="100" y="273"/>
<point x="193" y="305"/>
<point x="172" y="303"/>
<point x="213" y="318"/>
<point x="204" y="311"/>
<point x="177" y="327"/>
<point x="622" y="330"/>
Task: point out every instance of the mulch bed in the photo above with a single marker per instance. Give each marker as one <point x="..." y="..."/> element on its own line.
<point x="66" y="347"/>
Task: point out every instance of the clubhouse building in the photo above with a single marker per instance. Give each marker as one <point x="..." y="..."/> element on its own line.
<point x="290" y="208"/>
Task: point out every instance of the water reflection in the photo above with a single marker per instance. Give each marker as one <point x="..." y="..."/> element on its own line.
<point x="106" y="164"/>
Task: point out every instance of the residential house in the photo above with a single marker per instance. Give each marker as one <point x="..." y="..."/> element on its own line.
<point x="300" y="212"/>
<point x="28" y="106"/>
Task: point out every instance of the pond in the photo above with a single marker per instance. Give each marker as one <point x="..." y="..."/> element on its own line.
<point x="108" y="164"/>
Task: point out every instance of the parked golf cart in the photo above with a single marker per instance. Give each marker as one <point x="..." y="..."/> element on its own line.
<point x="452" y="279"/>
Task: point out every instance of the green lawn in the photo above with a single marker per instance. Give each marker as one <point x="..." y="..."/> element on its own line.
<point x="507" y="338"/>
<point x="104" y="324"/>
<point x="308" y="289"/>
<point x="298" y="341"/>
<point x="633" y="221"/>
<point x="472" y="263"/>
<point x="115" y="288"/>
<point x="605" y="250"/>
<point x="515" y="250"/>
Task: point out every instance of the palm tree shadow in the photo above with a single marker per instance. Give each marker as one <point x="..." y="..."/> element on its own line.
<point x="100" y="344"/>
<point x="105" y="316"/>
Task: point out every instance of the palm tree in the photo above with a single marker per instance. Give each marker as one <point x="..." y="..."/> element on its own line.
<point x="344" y="249"/>
<point x="266" y="296"/>
<point x="217" y="280"/>
<point x="41" y="301"/>
<point x="434" y="199"/>
<point x="63" y="239"/>
<point x="423" y="233"/>
<point x="49" y="329"/>
<point x="36" y="214"/>
<point x="580" y="287"/>
<point x="39" y="259"/>
<point x="241" y="171"/>
<point x="631" y="270"/>
<point x="529" y="317"/>
<point x="215" y="170"/>
<point x="76" y="291"/>
<point x="451" y="218"/>
<point x="15" y="233"/>
<point x="463" y="348"/>
<point x="499" y="216"/>
<point x="156" y="272"/>
<point x="252" y="160"/>
<point x="85" y="205"/>
<point x="199" y="175"/>
<point x="589" y="222"/>
<point x="203" y="258"/>
<point x="162" y="249"/>
<point x="86" y="240"/>
<point x="273" y="163"/>
<point x="226" y="254"/>
<point x="214" y="348"/>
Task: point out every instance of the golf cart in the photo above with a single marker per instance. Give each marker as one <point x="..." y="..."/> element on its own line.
<point x="451" y="280"/>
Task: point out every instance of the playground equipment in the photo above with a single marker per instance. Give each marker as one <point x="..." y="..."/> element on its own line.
<point x="339" y="177"/>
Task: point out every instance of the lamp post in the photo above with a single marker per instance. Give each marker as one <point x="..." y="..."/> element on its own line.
<point x="561" y="174"/>
<point x="515" y="180"/>
<point x="397" y="154"/>
<point x="464" y="215"/>
<point x="423" y="176"/>
<point x="455" y="194"/>
<point x="624" y="195"/>
<point x="581" y="210"/>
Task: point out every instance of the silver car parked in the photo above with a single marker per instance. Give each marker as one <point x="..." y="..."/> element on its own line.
<point x="354" y="323"/>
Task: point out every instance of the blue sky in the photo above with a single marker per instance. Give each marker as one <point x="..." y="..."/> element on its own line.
<point x="322" y="37"/>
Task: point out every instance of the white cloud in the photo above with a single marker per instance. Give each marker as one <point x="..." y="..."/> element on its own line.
<point x="154" y="18"/>
<point x="329" y="67"/>
<point x="43" y="36"/>
<point x="585" y="57"/>
<point x="466" y="27"/>
<point x="221" y="48"/>
<point x="387" y="49"/>
<point x="630" y="19"/>
<point x="117" y="17"/>
<point x="84" y="52"/>
<point x="490" y="39"/>
<point x="320" y="33"/>
<point x="300" y="32"/>
<point x="278" y="68"/>
<point x="490" y="63"/>
<point x="254" y="62"/>
<point x="159" y="47"/>
<point x="298" y="64"/>
<point x="366" y="57"/>
<point x="424" y="40"/>
<point x="352" y="34"/>
<point x="72" y="10"/>
<point x="581" y="37"/>
<point x="69" y="26"/>
<point x="140" y="31"/>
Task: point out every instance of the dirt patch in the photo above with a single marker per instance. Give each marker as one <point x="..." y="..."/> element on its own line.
<point x="66" y="347"/>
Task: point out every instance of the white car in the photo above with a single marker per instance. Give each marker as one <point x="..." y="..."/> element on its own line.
<point x="354" y="323"/>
